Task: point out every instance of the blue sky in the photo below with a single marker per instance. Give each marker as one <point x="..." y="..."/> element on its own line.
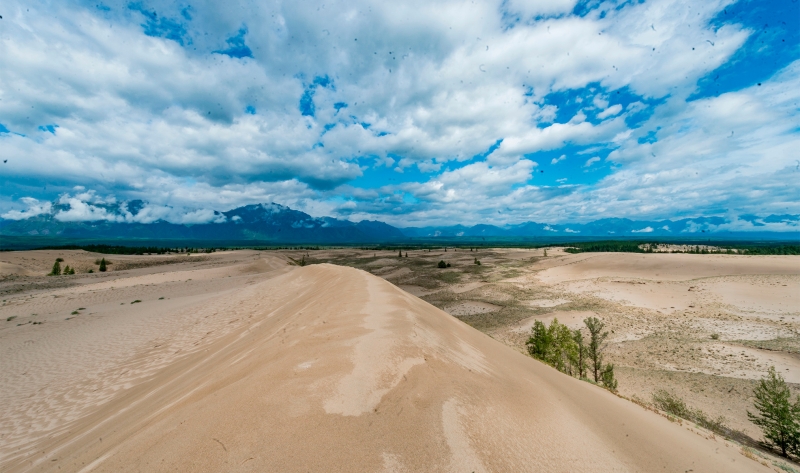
<point x="415" y="113"/>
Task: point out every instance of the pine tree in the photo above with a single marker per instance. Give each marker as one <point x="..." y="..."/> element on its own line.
<point x="56" y="269"/>
<point x="580" y="362"/>
<point x="102" y="265"/>
<point x="778" y="417"/>
<point x="595" y="348"/>
<point x="539" y="342"/>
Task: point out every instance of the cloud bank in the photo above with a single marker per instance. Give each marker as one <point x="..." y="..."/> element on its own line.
<point x="495" y="112"/>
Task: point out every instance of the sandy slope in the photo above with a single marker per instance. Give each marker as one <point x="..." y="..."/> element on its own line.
<point x="326" y="368"/>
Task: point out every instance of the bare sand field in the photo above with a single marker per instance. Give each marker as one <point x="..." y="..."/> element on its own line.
<point x="238" y="361"/>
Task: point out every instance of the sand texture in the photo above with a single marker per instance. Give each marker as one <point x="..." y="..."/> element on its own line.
<point x="249" y="364"/>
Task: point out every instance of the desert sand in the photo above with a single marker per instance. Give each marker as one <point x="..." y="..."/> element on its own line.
<point x="704" y="327"/>
<point x="238" y="361"/>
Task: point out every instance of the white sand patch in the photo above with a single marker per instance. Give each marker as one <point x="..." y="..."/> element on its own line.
<point x="758" y="294"/>
<point x="463" y="457"/>
<point x="397" y="273"/>
<point x="377" y="366"/>
<point x="462" y="288"/>
<point x="385" y="262"/>
<point x="750" y="363"/>
<point x="392" y="464"/>
<point x="546" y="302"/>
<point x="471" y="308"/>
<point x="740" y="329"/>
<point x="418" y="291"/>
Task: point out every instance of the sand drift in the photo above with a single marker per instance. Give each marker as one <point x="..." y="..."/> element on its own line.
<point x="326" y="368"/>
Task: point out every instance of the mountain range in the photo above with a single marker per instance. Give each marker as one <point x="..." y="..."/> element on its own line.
<point x="276" y="223"/>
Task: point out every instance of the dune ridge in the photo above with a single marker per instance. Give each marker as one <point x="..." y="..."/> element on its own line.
<point x="329" y="368"/>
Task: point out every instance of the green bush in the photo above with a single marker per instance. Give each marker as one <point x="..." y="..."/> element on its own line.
<point x="442" y="264"/>
<point x="671" y="404"/>
<point x="103" y="263"/>
<point x="674" y="405"/>
<point x="778" y="416"/>
<point x="607" y="376"/>
<point x="56" y="271"/>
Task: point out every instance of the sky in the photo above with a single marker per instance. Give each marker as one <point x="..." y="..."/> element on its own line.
<point x="413" y="113"/>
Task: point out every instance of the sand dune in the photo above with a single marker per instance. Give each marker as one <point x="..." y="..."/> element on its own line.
<point x="325" y="368"/>
<point x="660" y="266"/>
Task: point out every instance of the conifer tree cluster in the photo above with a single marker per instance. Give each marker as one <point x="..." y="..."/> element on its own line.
<point x="57" y="271"/>
<point x="568" y="351"/>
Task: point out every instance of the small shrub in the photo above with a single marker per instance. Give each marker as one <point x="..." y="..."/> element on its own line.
<point x="442" y="264"/>
<point x="103" y="263"/>
<point x="607" y="376"/>
<point x="136" y="301"/>
<point x="671" y="404"/>
<point x="714" y="336"/>
<point x="59" y="260"/>
<point x="161" y="298"/>
<point x="11" y="318"/>
<point x="748" y="452"/>
<point x="91" y="271"/>
<point x="74" y="312"/>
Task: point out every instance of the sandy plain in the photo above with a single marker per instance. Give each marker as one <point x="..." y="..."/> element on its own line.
<point x="239" y="361"/>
